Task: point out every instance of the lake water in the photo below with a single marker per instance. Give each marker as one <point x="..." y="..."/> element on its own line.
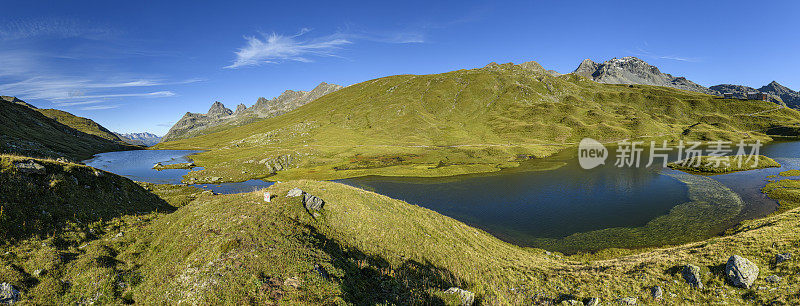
<point x="571" y="209"/>
<point x="568" y="209"/>
<point x="138" y="166"/>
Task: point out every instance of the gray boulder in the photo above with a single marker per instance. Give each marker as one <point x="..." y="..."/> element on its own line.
<point x="295" y="192"/>
<point x="29" y="166"/>
<point x="8" y="295"/>
<point x="780" y="258"/>
<point x="741" y="272"/>
<point x="312" y="203"/>
<point x="691" y="274"/>
<point x="593" y="302"/>
<point x="467" y="298"/>
<point x="657" y="292"/>
<point x="628" y="301"/>
<point x="773" y="279"/>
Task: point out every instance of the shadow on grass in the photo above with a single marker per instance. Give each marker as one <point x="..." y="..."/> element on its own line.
<point x="371" y="280"/>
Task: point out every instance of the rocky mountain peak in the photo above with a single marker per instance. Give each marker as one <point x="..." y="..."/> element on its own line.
<point x="218" y="109"/>
<point x="633" y="70"/>
<point x="240" y="108"/>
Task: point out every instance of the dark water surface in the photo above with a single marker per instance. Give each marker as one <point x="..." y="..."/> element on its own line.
<point x="568" y="209"/>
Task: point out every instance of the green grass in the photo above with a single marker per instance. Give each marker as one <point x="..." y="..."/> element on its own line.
<point x="32" y="132"/>
<point x="793" y="172"/>
<point x="786" y="192"/>
<point x="160" y="167"/>
<point x="238" y="249"/>
<point x="467" y="121"/>
<point x="724" y="164"/>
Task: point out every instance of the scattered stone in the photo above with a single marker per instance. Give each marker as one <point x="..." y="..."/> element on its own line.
<point x="657" y="292"/>
<point x="466" y="297"/>
<point x="215" y="178"/>
<point x="295" y="192"/>
<point x="741" y="272"/>
<point x="30" y="167"/>
<point x="572" y="302"/>
<point x="593" y="302"/>
<point x="38" y="273"/>
<point x="98" y="173"/>
<point x="312" y="203"/>
<point x="691" y="274"/>
<point x="8" y="295"/>
<point x="628" y="301"/>
<point x="62" y="159"/>
<point x="293" y="282"/>
<point x="780" y="258"/>
<point x="773" y="279"/>
<point x="158" y="165"/>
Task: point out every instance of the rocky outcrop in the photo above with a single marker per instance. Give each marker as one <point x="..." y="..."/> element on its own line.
<point x="279" y="163"/>
<point x="312" y="203"/>
<point x="8" y="294"/>
<point x="29" y="167"/>
<point x="295" y="192"/>
<point x="691" y="274"/>
<point x="781" y="258"/>
<point x="632" y="70"/>
<point x="467" y="298"/>
<point x="741" y="272"/>
<point x="220" y="117"/>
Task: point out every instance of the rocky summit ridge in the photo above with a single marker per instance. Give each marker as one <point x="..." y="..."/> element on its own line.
<point x="220" y="117"/>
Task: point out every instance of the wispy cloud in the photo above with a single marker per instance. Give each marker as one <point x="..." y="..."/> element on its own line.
<point x="16" y="29"/>
<point x="100" y="107"/>
<point x="645" y="53"/>
<point x="275" y="47"/>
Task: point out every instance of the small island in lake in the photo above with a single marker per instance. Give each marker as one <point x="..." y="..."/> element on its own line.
<point x="723" y="164"/>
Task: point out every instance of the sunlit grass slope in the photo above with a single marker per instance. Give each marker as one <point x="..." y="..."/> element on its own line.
<point x="727" y="164"/>
<point x="467" y="121"/>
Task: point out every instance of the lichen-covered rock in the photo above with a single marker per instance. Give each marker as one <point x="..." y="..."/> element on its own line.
<point x="312" y="203"/>
<point x="657" y="292"/>
<point x="295" y="192"/>
<point x="780" y="258"/>
<point x="29" y="166"/>
<point x="593" y="302"/>
<point x="773" y="279"/>
<point x="8" y="295"/>
<point x="741" y="272"/>
<point x="628" y="301"/>
<point x="691" y="274"/>
<point x="467" y="298"/>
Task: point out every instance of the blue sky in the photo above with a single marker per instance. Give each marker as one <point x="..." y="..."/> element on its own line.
<point x="140" y="65"/>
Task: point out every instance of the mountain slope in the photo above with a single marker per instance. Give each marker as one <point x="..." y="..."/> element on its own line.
<point x="790" y="97"/>
<point x="219" y="117"/>
<point x="140" y="139"/>
<point x="632" y="70"/>
<point x="465" y="121"/>
<point x="28" y="131"/>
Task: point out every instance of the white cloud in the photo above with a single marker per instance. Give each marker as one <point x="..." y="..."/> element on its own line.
<point x="275" y="47"/>
<point x="99" y="107"/>
<point x="157" y="94"/>
<point x="645" y="53"/>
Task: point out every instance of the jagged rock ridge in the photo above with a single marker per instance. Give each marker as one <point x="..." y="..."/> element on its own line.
<point x="632" y="70"/>
<point x="219" y="117"/>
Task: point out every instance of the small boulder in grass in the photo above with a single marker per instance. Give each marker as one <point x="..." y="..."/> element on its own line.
<point x="741" y="272"/>
<point x="295" y="192"/>
<point x="8" y="294"/>
<point x="312" y="203"/>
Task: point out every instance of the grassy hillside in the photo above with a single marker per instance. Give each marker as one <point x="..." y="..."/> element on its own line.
<point x="53" y="133"/>
<point x="365" y="248"/>
<point x="79" y="123"/>
<point x="466" y="121"/>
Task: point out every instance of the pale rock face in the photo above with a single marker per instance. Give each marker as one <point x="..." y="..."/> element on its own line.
<point x="632" y="70"/>
<point x="741" y="272"/>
